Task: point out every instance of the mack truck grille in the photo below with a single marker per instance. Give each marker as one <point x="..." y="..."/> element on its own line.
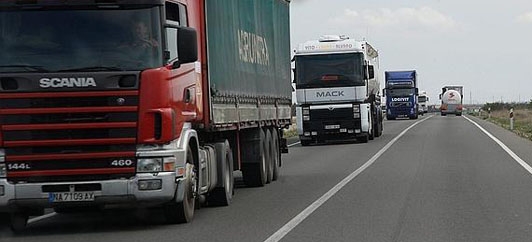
<point x="69" y="136"/>
<point x="334" y="114"/>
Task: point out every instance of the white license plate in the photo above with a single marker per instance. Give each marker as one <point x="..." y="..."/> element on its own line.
<point x="332" y="126"/>
<point x="71" y="196"/>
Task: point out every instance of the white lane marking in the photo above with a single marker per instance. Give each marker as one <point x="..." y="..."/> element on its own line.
<point x="294" y="222"/>
<point x="37" y="219"/>
<point x="504" y="147"/>
<point x="296" y="143"/>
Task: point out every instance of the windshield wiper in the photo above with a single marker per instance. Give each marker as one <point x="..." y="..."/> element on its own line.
<point x="93" y="68"/>
<point x="26" y="67"/>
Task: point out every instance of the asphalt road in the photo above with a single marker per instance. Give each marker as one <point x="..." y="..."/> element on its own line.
<point x="442" y="180"/>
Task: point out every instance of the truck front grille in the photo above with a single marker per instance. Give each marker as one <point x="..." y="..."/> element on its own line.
<point x="69" y="136"/>
<point x="335" y="114"/>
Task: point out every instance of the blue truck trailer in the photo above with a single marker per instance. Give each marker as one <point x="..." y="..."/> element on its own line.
<point x="401" y="93"/>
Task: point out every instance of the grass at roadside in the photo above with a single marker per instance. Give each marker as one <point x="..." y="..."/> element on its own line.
<point x="522" y="121"/>
<point x="292" y="130"/>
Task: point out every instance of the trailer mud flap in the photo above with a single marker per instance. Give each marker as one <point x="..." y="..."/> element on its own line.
<point x="283" y="146"/>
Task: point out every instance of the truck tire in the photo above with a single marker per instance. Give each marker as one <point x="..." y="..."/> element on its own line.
<point x="18" y="221"/>
<point x="183" y="211"/>
<point x="222" y="195"/>
<point x="443" y="114"/>
<point x="269" y="155"/>
<point x="364" y="138"/>
<point x="276" y="154"/>
<point x="254" y="173"/>
<point x="388" y="117"/>
<point x="378" y="128"/>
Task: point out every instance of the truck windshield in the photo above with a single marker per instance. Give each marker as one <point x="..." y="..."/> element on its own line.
<point x="422" y="99"/>
<point x="400" y="92"/>
<point x="78" y="40"/>
<point x="329" y="70"/>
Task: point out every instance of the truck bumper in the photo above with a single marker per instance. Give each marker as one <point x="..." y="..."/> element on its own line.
<point x="123" y="192"/>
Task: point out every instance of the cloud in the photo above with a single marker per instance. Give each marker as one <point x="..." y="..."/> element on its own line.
<point x="524" y="18"/>
<point x="403" y="18"/>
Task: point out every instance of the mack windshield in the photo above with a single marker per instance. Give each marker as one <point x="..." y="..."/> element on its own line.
<point x="330" y="70"/>
<point x="55" y="40"/>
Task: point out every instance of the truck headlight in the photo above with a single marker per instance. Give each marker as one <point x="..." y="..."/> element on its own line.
<point x="306" y="113"/>
<point x="356" y="108"/>
<point x="149" y="165"/>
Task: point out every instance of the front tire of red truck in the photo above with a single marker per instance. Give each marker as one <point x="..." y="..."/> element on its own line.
<point x="18" y="221"/>
<point x="183" y="211"/>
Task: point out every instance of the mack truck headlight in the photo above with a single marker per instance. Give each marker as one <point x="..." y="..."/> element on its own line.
<point x="356" y="111"/>
<point x="306" y="113"/>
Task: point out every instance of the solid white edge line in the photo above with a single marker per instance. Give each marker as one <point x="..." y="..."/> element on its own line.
<point x="503" y="146"/>
<point x="294" y="222"/>
<point x="37" y="219"/>
<point x="296" y="143"/>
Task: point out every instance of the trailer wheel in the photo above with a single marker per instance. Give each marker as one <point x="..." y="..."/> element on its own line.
<point x="268" y="145"/>
<point x="18" y="221"/>
<point x="276" y="154"/>
<point x="254" y="174"/>
<point x="183" y="211"/>
<point x="222" y="195"/>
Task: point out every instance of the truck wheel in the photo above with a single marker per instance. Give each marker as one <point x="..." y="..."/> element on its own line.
<point x="18" y="221"/>
<point x="268" y="145"/>
<point x="183" y="211"/>
<point x="276" y="154"/>
<point x="378" y="129"/>
<point x="388" y="117"/>
<point x="443" y="114"/>
<point x="4" y="219"/>
<point x="222" y="195"/>
<point x="364" y="138"/>
<point x="254" y="174"/>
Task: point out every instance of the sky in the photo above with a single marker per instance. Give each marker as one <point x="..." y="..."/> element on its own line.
<point x="484" y="45"/>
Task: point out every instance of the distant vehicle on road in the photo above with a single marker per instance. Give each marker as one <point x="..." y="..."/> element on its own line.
<point x="401" y="94"/>
<point x="422" y="101"/>
<point x="451" y="100"/>
<point x="337" y="90"/>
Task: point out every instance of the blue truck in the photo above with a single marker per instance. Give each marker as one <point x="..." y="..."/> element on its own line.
<point x="401" y="93"/>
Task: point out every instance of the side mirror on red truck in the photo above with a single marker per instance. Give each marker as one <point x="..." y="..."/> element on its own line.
<point x="187" y="46"/>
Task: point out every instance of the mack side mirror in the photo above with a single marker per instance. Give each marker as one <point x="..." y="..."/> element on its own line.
<point x="384" y="92"/>
<point x="187" y="46"/>
<point x="417" y="91"/>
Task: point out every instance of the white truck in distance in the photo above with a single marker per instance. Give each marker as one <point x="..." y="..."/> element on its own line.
<point x="337" y="90"/>
<point x="423" y="100"/>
